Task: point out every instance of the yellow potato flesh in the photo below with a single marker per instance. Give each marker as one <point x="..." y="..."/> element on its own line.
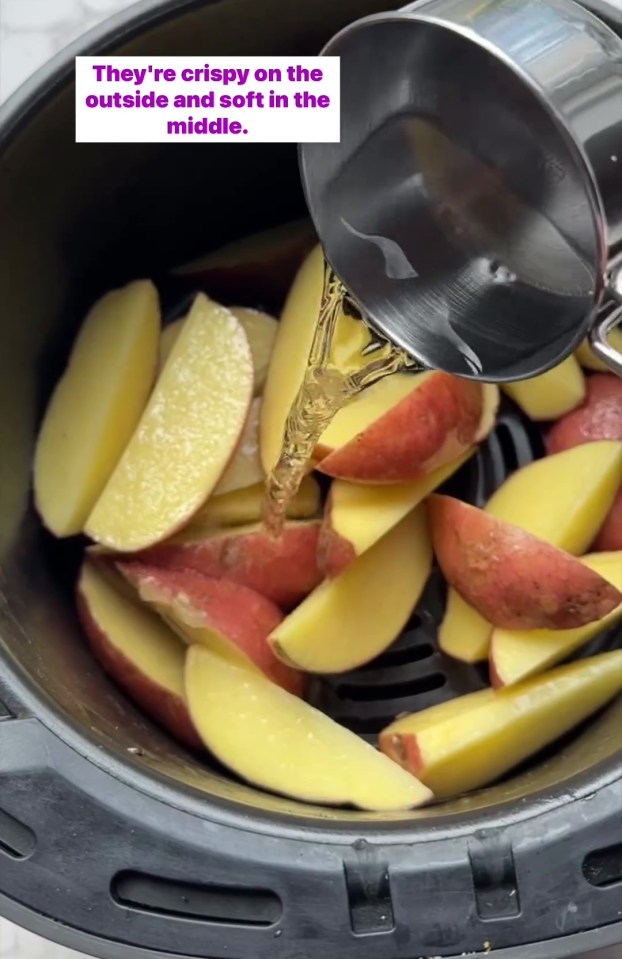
<point x="517" y="654"/>
<point x="564" y="498"/>
<point x="362" y="514"/>
<point x="550" y="395"/>
<point x="588" y="358"/>
<point x="260" y="329"/>
<point x="132" y="629"/>
<point x="464" y="633"/>
<point x="178" y="614"/>
<point x="277" y="741"/>
<point x="185" y="437"/>
<point x="245" y="467"/>
<point x="478" y="744"/>
<point x="291" y="352"/>
<point x="348" y="620"/>
<point x="450" y="709"/>
<point x="351" y="338"/>
<point x="368" y="407"/>
<point x="96" y="405"/>
<point x="245" y="505"/>
<point x="168" y="339"/>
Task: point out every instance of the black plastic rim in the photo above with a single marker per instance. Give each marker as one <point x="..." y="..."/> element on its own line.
<point x="15" y="113"/>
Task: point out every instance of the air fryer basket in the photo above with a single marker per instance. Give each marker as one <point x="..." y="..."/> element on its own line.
<point x="114" y="840"/>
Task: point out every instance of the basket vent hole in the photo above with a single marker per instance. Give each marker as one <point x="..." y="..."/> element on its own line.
<point x="603" y="867"/>
<point x="367" y="726"/>
<point x="207" y="903"/>
<point x="16" y="840"/>
<point x="507" y="444"/>
<point x="400" y="656"/>
<point x="394" y="690"/>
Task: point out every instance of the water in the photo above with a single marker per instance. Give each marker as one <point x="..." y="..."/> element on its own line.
<point x="323" y="392"/>
<point x="474" y="274"/>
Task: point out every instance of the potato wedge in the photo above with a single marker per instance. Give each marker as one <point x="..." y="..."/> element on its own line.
<point x="96" y="405"/>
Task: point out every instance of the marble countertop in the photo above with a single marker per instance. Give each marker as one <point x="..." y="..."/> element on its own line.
<point x="32" y="31"/>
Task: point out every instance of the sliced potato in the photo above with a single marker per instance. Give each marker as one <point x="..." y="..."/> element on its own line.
<point x="96" y="405"/>
<point x="185" y="437"/>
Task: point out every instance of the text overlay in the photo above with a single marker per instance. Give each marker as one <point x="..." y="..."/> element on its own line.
<point x="201" y="99"/>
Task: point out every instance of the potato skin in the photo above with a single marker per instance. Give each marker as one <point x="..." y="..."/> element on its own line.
<point x="241" y="615"/>
<point x="598" y="418"/>
<point x="260" y="269"/>
<point x="514" y="579"/>
<point x="162" y="705"/>
<point x="428" y="428"/>
<point x="610" y="536"/>
<point x="284" y="570"/>
<point x="334" y="552"/>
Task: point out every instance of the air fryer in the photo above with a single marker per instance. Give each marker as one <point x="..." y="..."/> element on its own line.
<point x="115" y="841"/>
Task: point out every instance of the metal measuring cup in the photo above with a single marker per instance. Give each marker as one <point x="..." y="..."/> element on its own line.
<point x="473" y="207"/>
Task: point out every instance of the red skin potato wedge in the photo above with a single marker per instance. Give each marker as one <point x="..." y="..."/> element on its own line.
<point x="514" y="579"/>
<point x="242" y="616"/>
<point x="334" y="552"/>
<point x="598" y="418"/>
<point x="335" y="549"/>
<point x="609" y="538"/>
<point x="431" y="426"/>
<point x="284" y="570"/>
<point x="258" y="269"/>
<point x="169" y="710"/>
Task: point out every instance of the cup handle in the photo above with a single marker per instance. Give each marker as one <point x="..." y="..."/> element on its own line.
<point x="598" y="336"/>
<point x="607" y="320"/>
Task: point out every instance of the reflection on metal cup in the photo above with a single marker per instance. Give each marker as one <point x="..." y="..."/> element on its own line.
<point x="478" y="141"/>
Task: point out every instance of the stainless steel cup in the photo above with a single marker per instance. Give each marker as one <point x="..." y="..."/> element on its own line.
<point x="474" y="204"/>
